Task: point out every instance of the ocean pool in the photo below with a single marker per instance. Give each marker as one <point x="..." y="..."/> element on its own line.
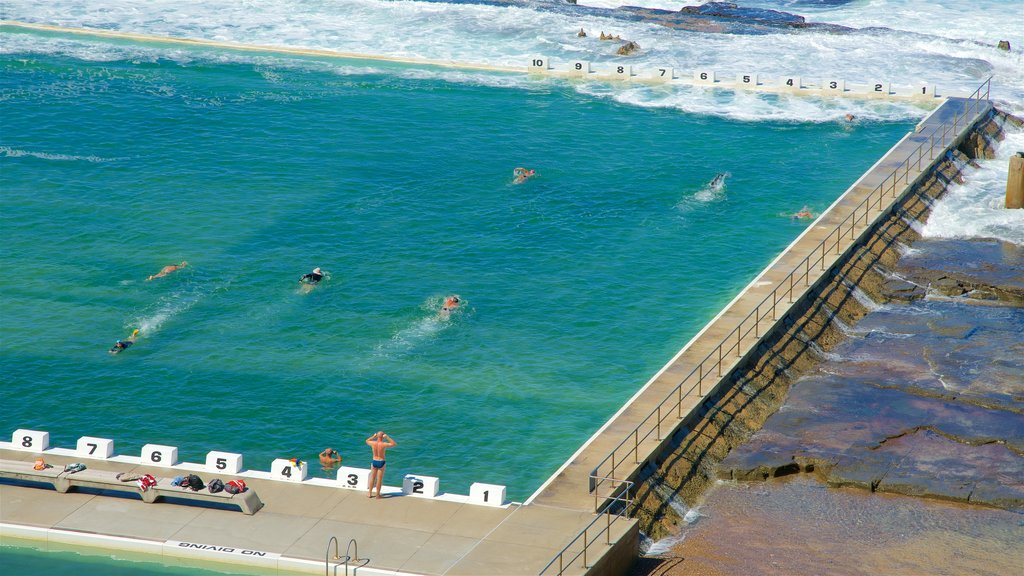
<point x="577" y="285"/>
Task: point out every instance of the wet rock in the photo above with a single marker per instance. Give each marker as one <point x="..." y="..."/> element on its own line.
<point x="982" y="269"/>
<point x="628" y="48"/>
<point x="1004" y="45"/>
<point x="902" y="290"/>
<point x="730" y="10"/>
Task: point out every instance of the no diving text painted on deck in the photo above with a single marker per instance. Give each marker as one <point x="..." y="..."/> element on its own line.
<point x="222" y="549"/>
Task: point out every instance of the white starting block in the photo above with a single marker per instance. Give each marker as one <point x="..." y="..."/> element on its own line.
<point x="621" y="72"/>
<point x="663" y="75"/>
<point x="30" y="440"/>
<point x="790" y="83"/>
<point x="415" y="485"/>
<point x="831" y="85"/>
<point x="926" y="90"/>
<point x="159" y="455"/>
<point x="884" y="88"/>
<point x="538" y="65"/>
<point x="91" y="447"/>
<point x="704" y="77"/>
<point x="487" y="494"/>
<point x="747" y="80"/>
<point x="286" y="470"/>
<point x="354" y="478"/>
<point x="223" y="462"/>
<point x="579" y="68"/>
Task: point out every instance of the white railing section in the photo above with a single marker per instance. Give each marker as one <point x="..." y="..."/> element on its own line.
<point x="618" y="506"/>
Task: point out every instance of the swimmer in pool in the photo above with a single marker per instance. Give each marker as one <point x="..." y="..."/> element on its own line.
<point x="167" y="270"/>
<point x="804" y="214"/>
<point x="519" y="175"/>
<point x="122" y="345"/>
<point x="450" y="303"/>
<point x="313" y="277"/>
<point x="330" y="458"/>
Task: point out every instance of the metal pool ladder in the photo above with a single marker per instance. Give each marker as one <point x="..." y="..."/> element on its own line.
<point x="339" y="560"/>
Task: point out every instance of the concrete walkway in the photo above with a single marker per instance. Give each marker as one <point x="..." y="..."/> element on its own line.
<point x="400" y="534"/>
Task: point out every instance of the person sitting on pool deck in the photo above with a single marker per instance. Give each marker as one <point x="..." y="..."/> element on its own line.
<point x="124" y="344"/>
<point x="519" y="175"/>
<point x="378" y="443"/>
<point x="313" y="277"/>
<point x="167" y="270"/>
<point x="330" y="458"/>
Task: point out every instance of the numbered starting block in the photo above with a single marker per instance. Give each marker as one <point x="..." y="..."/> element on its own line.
<point x="30" y="440"/>
<point x="223" y="462"/>
<point x="354" y="478"/>
<point x="487" y="494"/>
<point x="416" y="485"/>
<point x="289" y="470"/>
<point x="538" y="65"/>
<point x="159" y="455"/>
<point x="90" y="447"/>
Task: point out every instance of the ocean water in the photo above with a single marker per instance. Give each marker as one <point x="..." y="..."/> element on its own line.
<point x="118" y="158"/>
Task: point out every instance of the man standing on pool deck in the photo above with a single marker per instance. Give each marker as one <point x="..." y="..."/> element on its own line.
<point x="378" y="443"/>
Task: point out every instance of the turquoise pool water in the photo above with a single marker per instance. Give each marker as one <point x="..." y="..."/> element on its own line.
<point x="578" y="285"/>
<point x="24" y="558"/>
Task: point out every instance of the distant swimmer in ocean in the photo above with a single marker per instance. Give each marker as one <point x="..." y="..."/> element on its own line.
<point x="313" y="277"/>
<point x="804" y="214"/>
<point x="519" y="175"/>
<point x="167" y="270"/>
<point x="850" y="117"/>
<point x="310" y="280"/>
<point x="718" y="182"/>
<point x="122" y="345"/>
<point x="450" y="304"/>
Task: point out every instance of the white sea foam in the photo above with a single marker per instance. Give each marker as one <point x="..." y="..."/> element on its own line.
<point x="15" y="153"/>
<point x="976" y="209"/>
<point x="420" y="330"/>
<point x="954" y="50"/>
<point x="166" y="307"/>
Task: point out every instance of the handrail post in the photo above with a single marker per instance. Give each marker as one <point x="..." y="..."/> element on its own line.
<point x="720" y="360"/>
<point x="585" y="546"/>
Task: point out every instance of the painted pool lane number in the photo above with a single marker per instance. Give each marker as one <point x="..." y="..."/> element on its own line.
<point x="30" y="440"/>
<point x="487" y="494"/>
<point x="425" y="486"/>
<point x="91" y="447"/>
<point x="354" y="478"/>
<point x="287" y="470"/>
<point x="159" y="455"/>
<point x="223" y="462"/>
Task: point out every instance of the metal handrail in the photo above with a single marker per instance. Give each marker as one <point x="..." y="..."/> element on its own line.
<point x="337" y="558"/>
<point x="364" y="561"/>
<point x="610" y="519"/>
<point x="714" y="361"/>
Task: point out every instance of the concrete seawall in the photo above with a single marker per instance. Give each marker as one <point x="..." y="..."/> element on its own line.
<point x="757" y="387"/>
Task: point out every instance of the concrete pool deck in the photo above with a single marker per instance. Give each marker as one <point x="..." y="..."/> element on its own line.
<point x="412" y="535"/>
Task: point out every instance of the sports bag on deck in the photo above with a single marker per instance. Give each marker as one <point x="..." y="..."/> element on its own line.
<point x="215" y="485"/>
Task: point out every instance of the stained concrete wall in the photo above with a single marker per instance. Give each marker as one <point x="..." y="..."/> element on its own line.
<point x="758" y="386"/>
